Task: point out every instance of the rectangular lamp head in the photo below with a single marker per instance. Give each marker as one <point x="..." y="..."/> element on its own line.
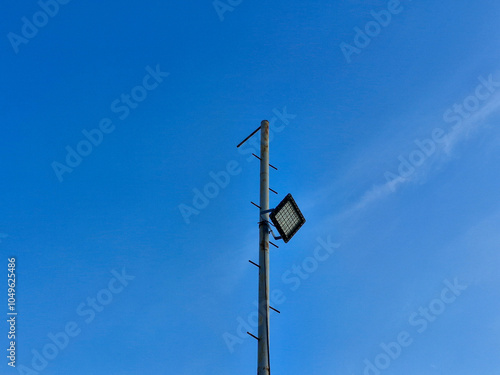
<point x="287" y="218"/>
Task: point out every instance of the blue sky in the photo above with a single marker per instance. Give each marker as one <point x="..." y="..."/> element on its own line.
<point x="390" y="149"/>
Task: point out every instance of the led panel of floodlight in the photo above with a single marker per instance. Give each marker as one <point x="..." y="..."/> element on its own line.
<point x="287" y="218"/>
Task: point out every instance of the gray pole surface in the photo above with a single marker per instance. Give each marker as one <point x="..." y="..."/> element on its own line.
<point x="263" y="366"/>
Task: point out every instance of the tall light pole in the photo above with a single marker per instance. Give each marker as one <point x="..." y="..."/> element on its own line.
<point x="263" y="363"/>
<point x="287" y="219"/>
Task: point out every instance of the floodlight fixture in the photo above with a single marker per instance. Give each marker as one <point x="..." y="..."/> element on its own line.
<point x="287" y="218"/>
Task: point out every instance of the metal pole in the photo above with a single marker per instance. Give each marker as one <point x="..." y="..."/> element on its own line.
<point x="263" y="365"/>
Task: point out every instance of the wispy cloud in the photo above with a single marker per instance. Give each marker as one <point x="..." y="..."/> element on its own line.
<point x="473" y="123"/>
<point x="376" y="192"/>
<point x="439" y="157"/>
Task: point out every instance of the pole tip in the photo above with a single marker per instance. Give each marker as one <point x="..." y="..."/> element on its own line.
<point x="264" y="121"/>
